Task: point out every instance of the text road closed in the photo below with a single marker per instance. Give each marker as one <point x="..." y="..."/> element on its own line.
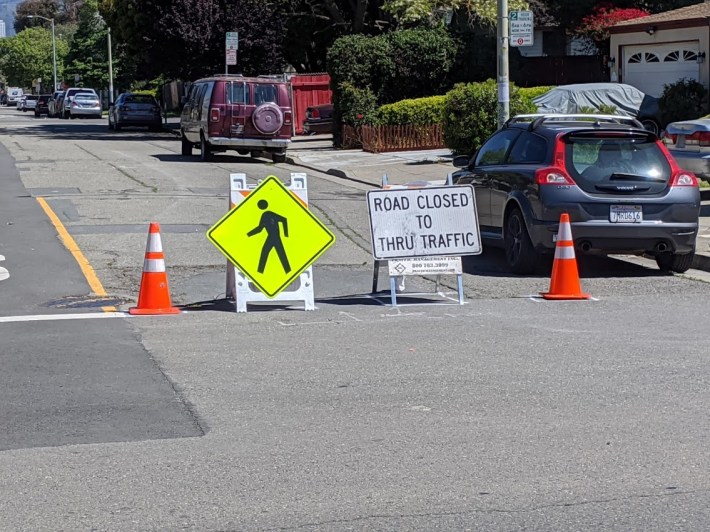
<point x="423" y="222"/>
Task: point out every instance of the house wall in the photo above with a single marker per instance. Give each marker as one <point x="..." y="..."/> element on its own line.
<point x="662" y="38"/>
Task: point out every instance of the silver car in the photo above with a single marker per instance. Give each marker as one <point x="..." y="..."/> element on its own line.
<point x="85" y="104"/>
<point x="689" y="144"/>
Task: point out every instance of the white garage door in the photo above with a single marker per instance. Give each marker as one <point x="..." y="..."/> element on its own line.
<point x="650" y="67"/>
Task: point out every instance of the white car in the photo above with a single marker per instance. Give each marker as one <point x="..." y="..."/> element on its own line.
<point x="30" y="102"/>
<point x="84" y="104"/>
<point x="14" y="94"/>
<point x="20" y="102"/>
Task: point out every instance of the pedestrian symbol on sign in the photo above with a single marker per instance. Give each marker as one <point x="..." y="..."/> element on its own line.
<point x="271" y="222"/>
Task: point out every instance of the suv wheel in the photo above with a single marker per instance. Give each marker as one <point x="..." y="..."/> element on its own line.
<point x="204" y="149"/>
<point x="675" y="262"/>
<point x="278" y="157"/>
<point x="186" y="146"/>
<point x="519" y="251"/>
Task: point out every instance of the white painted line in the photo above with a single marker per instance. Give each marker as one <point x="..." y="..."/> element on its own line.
<point x="52" y="317"/>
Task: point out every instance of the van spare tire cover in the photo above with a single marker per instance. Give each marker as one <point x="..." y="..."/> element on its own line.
<point x="267" y="118"/>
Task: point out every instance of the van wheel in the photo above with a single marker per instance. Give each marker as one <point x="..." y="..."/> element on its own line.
<point x="186" y="146"/>
<point x="278" y="157"/>
<point x="519" y="251"/>
<point x="204" y="149"/>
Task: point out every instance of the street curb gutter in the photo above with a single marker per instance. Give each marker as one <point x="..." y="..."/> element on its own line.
<point x="330" y="171"/>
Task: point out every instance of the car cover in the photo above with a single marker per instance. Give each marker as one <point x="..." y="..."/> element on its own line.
<point x="628" y="100"/>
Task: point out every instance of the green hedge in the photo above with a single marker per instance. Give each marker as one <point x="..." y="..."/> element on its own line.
<point x="471" y="114"/>
<point x="418" y="112"/>
<point x="685" y="99"/>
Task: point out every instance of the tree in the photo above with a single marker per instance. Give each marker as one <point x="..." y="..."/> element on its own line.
<point x="479" y="11"/>
<point x="28" y="56"/>
<point x="88" y="54"/>
<point x="596" y="25"/>
<point x="44" y="8"/>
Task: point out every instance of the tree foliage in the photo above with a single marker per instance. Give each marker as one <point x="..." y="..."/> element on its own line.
<point x="88" y="54"/>
<point x="28" y="56"/>
<point x="479" y="11"/>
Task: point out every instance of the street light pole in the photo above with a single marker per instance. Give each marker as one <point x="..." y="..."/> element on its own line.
<point x="54" y="48"/>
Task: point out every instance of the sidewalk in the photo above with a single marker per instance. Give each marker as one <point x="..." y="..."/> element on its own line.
<point x="316" y="153"/>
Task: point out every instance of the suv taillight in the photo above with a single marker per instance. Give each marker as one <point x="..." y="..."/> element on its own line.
<point x="315" y="113"/>
<point x="214" y="114"/>
<point x="556" y="174"/>
<point x="679" y="177"/>
<point x="553" y="175"/>
<point x="683" y="178"/>
<point x="287" y="118"/>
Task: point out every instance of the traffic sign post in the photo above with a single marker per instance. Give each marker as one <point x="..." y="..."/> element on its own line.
<point x="272" y="239"/>
<point x="521" y="28"/>
<point x="231" y="45"/>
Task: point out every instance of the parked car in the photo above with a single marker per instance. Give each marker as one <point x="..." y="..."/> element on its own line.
<point x="53" y="104"/>
<point x="319" y="119"/>
<point x="20" y="103"/>
<point x="57" y="106"/>
<point x="30" y="102"/>
<point x="84" y="105"/>
<point x="14" y="94"/>
<point x="689" y="144"/>
<point x="623" y="192"/>
<point x="626" y="99"/>
<point x="232" y="112"/>
<point x="42" y="107"/>
<point x="69" y="95"/>
<point x="140" y="110"/>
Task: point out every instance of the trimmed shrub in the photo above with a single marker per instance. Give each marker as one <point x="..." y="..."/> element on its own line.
<point x="471" y="114"/>
<point x="417" y="112"/>
<point x="361" y="61"/>
<point x="685" y="99"/>
<point x="422" y="61"/>
<point x="355" y="106"/>
<point x="530" y="93"/>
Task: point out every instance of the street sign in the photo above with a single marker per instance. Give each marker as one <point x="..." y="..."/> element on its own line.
<point x="423" y="222"/>
<point x="425" y="266"/>
<point x="231" y="56"/>
<point x="521" y="28"/>
<point x="232" y="40"/>
<point x="271" y="236"/>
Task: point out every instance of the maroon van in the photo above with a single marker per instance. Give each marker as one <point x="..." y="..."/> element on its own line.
<point x="233" y="112"/>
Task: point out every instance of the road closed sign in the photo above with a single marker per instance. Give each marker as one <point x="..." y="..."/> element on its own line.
<point x="423" y="222"/>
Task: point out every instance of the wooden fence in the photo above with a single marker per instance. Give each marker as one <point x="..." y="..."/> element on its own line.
<point x="378" y="139"/>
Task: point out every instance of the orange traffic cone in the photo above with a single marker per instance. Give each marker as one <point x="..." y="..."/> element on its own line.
<point x="154" y="296"/>
<point x="564" y="283"/>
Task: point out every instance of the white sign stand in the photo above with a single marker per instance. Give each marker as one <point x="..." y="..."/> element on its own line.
<point x="239" y="287"/>
<point x="420" y="266"/>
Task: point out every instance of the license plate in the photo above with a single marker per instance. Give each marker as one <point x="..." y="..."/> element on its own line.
<point x="626" y="214"/>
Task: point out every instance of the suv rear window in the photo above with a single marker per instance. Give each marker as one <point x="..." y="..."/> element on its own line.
<point x="593" y="160"/>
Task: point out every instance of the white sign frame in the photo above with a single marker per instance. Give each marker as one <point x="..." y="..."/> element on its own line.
<point x="423" y="222"/>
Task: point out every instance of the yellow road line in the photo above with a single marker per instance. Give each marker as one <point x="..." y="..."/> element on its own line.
<point x="71" y="245"/>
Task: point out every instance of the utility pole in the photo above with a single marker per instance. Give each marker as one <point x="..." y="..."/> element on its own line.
<point x="110" y="70"/>
<point x="503" y="71"/>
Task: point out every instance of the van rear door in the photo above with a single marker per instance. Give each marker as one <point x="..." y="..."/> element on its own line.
<point x="237" y="100"/>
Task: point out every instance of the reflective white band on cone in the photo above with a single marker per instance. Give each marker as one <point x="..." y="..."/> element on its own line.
<point x="154" y="265"/>
<point x="565" y="232"/>
<point x="564" y="252"/>
<point x="154" y="244"/>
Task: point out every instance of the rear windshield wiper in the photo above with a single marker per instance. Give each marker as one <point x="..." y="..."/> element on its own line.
<point x="634" y="177"/>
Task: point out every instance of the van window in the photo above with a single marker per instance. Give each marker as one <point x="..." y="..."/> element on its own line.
<point x="265" y="93"/>
<point x="237" y="93"/>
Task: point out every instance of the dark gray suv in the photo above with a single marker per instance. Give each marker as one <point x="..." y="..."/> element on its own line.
<point x="623" y="191"/>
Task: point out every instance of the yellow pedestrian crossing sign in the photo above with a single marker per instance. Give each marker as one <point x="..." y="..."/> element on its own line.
<point x="271" y="236"/>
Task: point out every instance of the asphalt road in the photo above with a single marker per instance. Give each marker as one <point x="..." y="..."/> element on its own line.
<point x="506" y="413"/>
